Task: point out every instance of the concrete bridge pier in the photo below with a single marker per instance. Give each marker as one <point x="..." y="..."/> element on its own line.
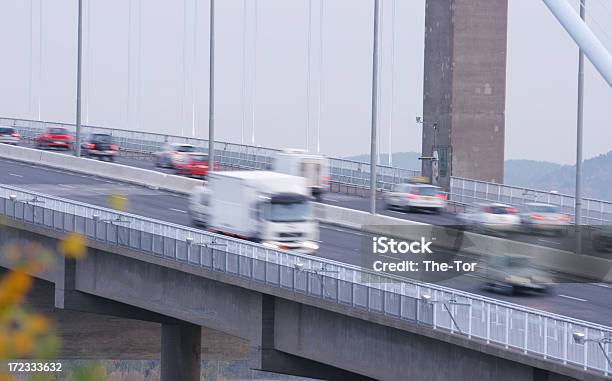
<point x="180" y="351"/>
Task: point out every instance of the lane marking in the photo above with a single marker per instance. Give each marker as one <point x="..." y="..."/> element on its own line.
<point x="16" y="175"/>
<point x="603" y="285"/>
<point x="179" y="210"/>
<point x="547" y="241"/>
<point x="572" y="297"/>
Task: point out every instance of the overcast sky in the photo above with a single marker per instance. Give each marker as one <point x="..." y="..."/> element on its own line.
<point x="170" y="94"/>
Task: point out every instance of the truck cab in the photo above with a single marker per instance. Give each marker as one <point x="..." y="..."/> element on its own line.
<point x="261" y="206"/>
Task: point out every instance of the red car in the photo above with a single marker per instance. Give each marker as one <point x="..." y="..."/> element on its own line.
<point x="195" y="165"/>
<point x="55" y="137"/>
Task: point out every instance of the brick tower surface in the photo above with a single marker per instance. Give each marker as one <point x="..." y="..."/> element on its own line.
<point x="464" y="89"/>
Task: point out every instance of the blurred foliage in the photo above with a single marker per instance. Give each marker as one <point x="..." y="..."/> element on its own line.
<point x="27" y="334"/>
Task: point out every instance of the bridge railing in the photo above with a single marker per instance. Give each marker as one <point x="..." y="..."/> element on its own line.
<point x="475" y="317"/>
<point x="347" y="174"/>
<point x="342" y="171"/>
<point x="594" y="212"/>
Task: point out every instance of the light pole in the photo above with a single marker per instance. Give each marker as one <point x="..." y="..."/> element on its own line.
<point x="432" y="157"/>
<point x="373" y="139"/>
<point x="579" y="124"/>
<point x="211" y="94"/>
<point x="77" y="142"/>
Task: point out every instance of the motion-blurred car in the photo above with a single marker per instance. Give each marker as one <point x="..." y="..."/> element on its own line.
<point x="55" y="137"/>
<point x="100" y="146"/>
<point x="602" y="238"/>
<point x="542" y="217"/>
<point x="8" y="135"/>
<point x="170" y="152"/>
<point x="509" y="274"/>
<point x="193" y="164"/>
<point x="491" y="217"/>
<point x="410" y="197"/>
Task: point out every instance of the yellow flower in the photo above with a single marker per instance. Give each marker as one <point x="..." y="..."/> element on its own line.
<point x="73" y="246"/>
<point x="37" y="324"/>
<point x="13" y="287"/>
<point x="23" y="343"/>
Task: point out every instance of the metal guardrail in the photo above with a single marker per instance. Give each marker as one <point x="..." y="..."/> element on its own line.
<point x="475" y="317"/>
<point x="469" y="191"/>
<point x="229" y="154"/>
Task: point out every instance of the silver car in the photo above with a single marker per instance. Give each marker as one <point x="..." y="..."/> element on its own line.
<point x="542" y="217"/>
<point x="8" y="135"/>
<point x="170" y="153"/>
<point x="415" y="196"/>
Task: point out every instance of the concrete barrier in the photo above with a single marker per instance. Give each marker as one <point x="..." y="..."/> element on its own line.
<point x="145" y="177"/>
<point x="477" y="244"/>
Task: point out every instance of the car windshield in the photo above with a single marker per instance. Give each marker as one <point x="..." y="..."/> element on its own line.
<point x="6" y="130"/>
<point x="545" y="209"/>
<point x="185" y="148"/>
<point x="426" y="191"/>
<point x="288" y="211"/>
<point x="496" y="209"/>
<point x="58" y="131"/>
<point x="102" y="138"/>
<point x="199" y="158"/>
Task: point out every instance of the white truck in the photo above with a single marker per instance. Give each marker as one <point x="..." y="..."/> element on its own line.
<point x="314" y="168"/>
<point x="262" y="206"/>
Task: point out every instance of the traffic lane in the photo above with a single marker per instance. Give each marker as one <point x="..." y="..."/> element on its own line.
<point x="363" y="204"/>
<point x="343" y="245"/>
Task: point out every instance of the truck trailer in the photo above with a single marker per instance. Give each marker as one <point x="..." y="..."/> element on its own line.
<point x="313" y="168"/>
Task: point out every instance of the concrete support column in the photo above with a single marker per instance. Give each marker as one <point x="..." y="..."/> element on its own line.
<point x="181" y="352"/>
<point x="464" y="89"/>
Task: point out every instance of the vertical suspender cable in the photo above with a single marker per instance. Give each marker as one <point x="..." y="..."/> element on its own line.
<point x="373" y="139"/>
<point x="194" y="69"/>
<point x="243" y="96"/>
<point x="87" y="61"/>
<point x="184" y="71"/>
<point x="393" y="6"/>
<point x="308" y="70"/>
<point x="31" y="63"/>
<point x="254" y="84"/>
<point x="40" y="54"/>
<point x="320" y="75"/>
<point x="379" y="85"/>
<point x="211" y="91"/>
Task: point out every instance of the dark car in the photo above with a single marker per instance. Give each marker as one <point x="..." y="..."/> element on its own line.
<point x="55" y="137"/>
<point x="100" y="146"/>
<point x="8" y="135"/>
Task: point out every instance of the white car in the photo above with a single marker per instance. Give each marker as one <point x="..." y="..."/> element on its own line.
<point x="544" y="217"/>
<point x="415" y="196"/>
<point x="170" y="153"/>
<point x="8" y="135"/>
<point x="491" y="216"/>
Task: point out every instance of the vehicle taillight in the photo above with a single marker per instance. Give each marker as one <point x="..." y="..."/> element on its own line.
<point x="511" y="210"/>
<point x="114" y="147"/>
<point x="536" y="217"/>
<point x="326" y="179"/>
<point x="564" y="217"/>
<point x="412" y="196"/>
<point x="91" y="146"/>
<point x="15" y="135"/>
<point x="442" y="196"/>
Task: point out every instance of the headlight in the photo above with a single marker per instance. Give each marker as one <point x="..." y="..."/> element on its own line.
<point x="311" y="245"/>
<point x="270" y="245"/>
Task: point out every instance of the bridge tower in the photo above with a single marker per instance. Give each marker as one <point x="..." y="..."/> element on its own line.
<point x="464" y="89"/>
